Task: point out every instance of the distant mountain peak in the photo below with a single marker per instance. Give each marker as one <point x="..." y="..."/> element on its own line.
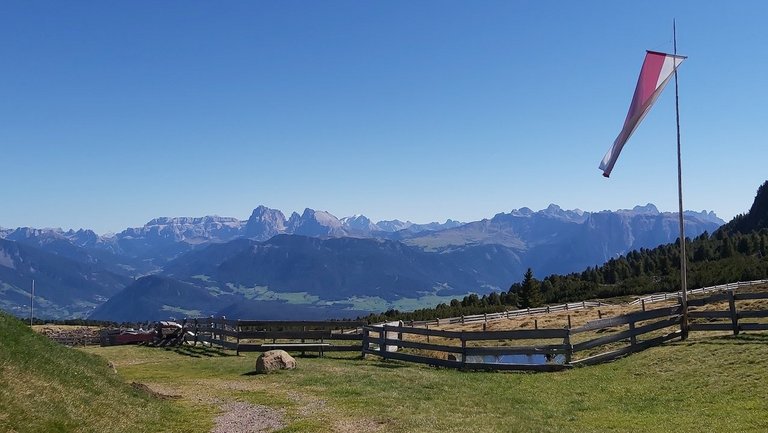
<point x="264" y="223"/>
<point x="315" y="223"/>
<point x="522" y="212"/>
<point x="359" y="224"/>
<point x="392" y="226"/>
<point x="649" y="208"/>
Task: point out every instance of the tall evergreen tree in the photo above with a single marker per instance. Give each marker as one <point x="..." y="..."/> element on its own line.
<point x="530" y="291"/>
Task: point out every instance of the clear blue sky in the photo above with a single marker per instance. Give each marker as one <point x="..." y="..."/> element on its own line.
<point x="112" y="113"/>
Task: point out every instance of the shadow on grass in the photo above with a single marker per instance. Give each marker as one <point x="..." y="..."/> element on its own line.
<point x="389" y="364"/>
<point x="729" y="340"/>
<point x="199" y="351"/>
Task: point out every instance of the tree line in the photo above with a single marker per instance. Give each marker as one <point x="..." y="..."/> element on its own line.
<point x="726" y="256"/>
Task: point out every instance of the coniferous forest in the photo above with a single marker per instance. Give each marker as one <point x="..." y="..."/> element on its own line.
<point x="738" y="251"/>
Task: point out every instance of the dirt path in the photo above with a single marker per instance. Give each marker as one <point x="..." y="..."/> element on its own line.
<point x="240" y="417"/>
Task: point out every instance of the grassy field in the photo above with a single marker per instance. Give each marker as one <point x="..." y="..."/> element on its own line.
<point x="46" y="387"/>
<point x="704" y="384"/>
<point x="708" y="383"/>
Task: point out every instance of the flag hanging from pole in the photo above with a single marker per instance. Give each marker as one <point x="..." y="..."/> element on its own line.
<point x="657" y="69"/>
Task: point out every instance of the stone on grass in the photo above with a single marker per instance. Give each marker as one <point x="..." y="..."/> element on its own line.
<point x="275" y="360"/>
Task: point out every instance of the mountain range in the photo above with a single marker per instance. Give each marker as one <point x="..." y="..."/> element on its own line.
<point x="311" y="264"/>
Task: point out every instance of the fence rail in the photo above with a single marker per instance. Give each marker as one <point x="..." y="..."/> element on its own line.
<point x="552" y="349"/>
<point x="731" y="319"/>
<point x="594" y="342"/>
<point x="263" y="335"/>
<point x="477" y="318"/>
<point x="468" y="350"/>
<point x="659" y="297"/>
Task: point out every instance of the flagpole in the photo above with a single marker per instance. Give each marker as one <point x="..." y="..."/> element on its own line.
<point x="683" y="259"/>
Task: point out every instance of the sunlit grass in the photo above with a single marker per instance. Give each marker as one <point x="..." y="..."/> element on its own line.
<point x="703" y="384"/>
<point x="708" y="383"/>
<point x="45" y="387"/>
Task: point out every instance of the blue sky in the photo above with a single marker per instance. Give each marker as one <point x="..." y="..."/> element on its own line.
<point x="113" y="113"/>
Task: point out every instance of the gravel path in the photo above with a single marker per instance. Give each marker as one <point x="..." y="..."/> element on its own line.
<point x="242" y="417"/>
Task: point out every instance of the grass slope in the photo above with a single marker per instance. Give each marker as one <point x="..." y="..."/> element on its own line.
<point x="704" y="384"/>
<point x="45" y="387"/>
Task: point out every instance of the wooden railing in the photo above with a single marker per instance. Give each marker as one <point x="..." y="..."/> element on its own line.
<point x="660" y="297"/>
<point x="653" y="325"/>
<point x="594" y="342"/>
<point x="468" y="350"/>
<point x="488" y="317"/>
<point x="263" y="335"/>
<point x="731" y="319"/>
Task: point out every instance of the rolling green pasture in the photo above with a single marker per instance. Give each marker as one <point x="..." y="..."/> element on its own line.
<point x="703" y="384"/>
<point x="706" y="384"/>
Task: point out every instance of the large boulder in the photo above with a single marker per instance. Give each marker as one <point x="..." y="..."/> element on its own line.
<point x="274" y="360"/>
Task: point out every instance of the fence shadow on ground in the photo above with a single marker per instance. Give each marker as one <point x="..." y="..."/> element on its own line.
<point x="390" y="364"/>
<point x="200" y="351"/>
<point x="729" y="340"/>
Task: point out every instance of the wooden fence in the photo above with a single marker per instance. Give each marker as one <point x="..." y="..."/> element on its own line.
<point x="467" y="350"/>
<point x="535" y="349"/>
<point x="487" y="317"/>
<point x="731" y="319"/>
<point x="594" y="342"/>
<point x="660" y="297"/>
<point x="571" y="306"/>
<point x="263" y="335"/>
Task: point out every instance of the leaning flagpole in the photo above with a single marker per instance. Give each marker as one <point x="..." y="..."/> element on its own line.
<point x="683" y="259"/>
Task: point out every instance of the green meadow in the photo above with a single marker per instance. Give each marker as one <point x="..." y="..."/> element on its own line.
<point x="707" y="383"/>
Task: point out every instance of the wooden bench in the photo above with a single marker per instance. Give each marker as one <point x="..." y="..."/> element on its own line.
<point x="295" y="347"/>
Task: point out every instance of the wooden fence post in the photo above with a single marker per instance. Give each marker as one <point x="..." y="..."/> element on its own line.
<point x="633" y="338"/>
<point x="365" y="342"/>
<point x="569" y="347"/>
<point x="211" y="330"/>
<point x="569" y="321"/>
<point x="643" y="302"/>
<point x="426" y="325"/>
<point x="734" y="316"/>
<point x="222" y="328"/>
<point x="599" y="314"/>
<point x="382" y="342"/>
<point x="536" y="324"/>
<point x="463" y="351"/>
<point x="237" y="329"/>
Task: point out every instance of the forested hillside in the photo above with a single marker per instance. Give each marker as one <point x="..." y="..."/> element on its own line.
<point x="738" y="251"/>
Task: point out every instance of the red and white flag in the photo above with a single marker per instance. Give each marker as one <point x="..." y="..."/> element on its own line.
<point x="658" y="68"/>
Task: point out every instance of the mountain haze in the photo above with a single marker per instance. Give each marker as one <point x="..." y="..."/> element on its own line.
<point x="328" y="266"/>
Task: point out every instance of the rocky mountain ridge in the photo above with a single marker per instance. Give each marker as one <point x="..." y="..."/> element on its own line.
<point x="319" y="262"/>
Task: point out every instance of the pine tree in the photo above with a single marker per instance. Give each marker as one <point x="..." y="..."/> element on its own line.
<point x="530" y="291"/>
